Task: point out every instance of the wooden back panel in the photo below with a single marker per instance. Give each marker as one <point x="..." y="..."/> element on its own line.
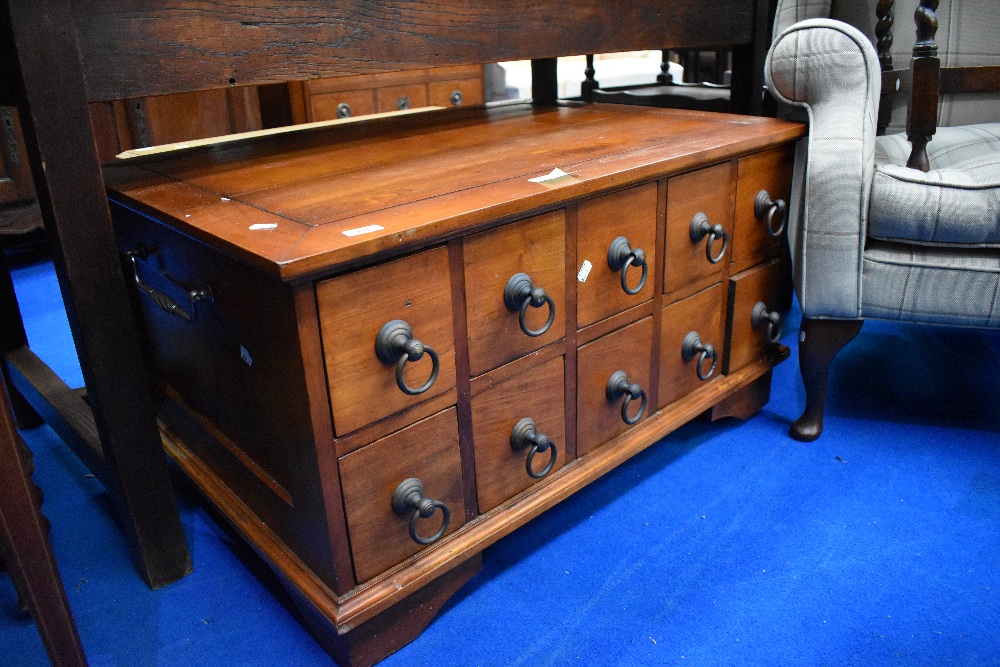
<point x="151" y="47"/>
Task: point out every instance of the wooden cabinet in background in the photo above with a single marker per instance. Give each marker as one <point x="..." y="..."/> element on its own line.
<point x="547" y="338"/>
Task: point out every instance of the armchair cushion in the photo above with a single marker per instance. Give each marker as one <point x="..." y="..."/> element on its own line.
<point x="956" y="203"/>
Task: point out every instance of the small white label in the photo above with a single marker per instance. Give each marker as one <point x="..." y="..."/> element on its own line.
<point x="551" y="176"/>
<point x="584" y="271"/>
<point x="225" y="199"/>
<point x="363" y="230"/>
<point x="245" y="356"/>
<point x="268" y="225"/>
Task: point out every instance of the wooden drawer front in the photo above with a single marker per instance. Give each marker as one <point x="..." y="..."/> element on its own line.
<point x="427" y="450"/>
<point x="326" y="105"/>
<point x="535" y="247"/>
<point x="709" y="191"/>
<point x="443" y="93"/>
<point x="700" y="313"/>
<point x="393" y="98"/>
<point x="353" y="309"/>
<point x="500" y="469"/>
<point x="630" y="214"/>
<point x="767" y="284"/>
<point x="599" y="418"/>
<point x="770" y="171"/>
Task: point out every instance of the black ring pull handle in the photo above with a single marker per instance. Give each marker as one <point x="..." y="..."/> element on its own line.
<point x="692" y="346"/>
<point x="766" y="210"/>
<point x="621" y="256"/>
<point x="409" y="498"/>
<point x="519" y="293"/>
<point x="700" y="228"/>
<point x="619" y="385"/>
<point x="395" y="344"/>
<point x="523" y="436"/>
<point x="160" y="298"/>
<point x="760" y="315"/>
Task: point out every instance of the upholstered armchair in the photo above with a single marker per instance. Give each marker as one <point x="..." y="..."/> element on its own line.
<point x="871" y="237"/>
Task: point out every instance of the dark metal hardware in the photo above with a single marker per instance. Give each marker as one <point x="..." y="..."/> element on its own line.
<point x="765" y="210"/>
<point x="343" y="110"/>
<point x="621" y="256"/>
<point x="161" y="299"/>
<point x="403" y="102"/>
<point x="525" y="435"/>
<point x="395" y="344"/>
<point x="519" y="293"/>
<point x="760" y="315"/>
<point x="691" y="346"/>
<point x="618" y="385"/>
<point x="701" y="227"/>
<point x="409" y="498"/>
<point x="456" y="98"/>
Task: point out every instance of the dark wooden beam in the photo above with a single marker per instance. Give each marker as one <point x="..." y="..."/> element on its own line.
<point x="70" y="187"/>
<point x="147" y="47"/>
<point x="985" y="79"/>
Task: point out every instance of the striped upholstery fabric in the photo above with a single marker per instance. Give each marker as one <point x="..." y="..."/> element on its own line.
<point x="957" y="202"/>
<point x="931" y="285"/>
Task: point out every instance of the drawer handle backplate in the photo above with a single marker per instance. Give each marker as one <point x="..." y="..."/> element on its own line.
<point x="395" y="344"/>
<point x="760" y="315"/>
<point x="621" y="256"/>
<point x="525" y="435"/>
<point x="692" y="346"/>
<point x="161" y="299"/>
<point x="766" y="210"/>
<point x="700" y="228"/>
<point x="519" y="293"/>
<point x="409" y="498"/>
<point x="619" y="385"/>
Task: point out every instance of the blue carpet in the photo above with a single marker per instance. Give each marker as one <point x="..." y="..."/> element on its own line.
<point x="725" y="544"/>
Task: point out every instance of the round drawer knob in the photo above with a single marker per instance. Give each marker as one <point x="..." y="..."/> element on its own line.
<point x="621" y="257"/>
<point x="524" y="436"/>
<point x="700" y="228"/>
<point x="692" y="346"/>
<point x="519" y="293"/>
<point x="619" y="385"/>
<point x="761" y="315"/>
<point x="343" y="110"/>
<point x="456" y="98"/>
<point x="409" y="498"/>
<point x="395" y="344"/>
<point x="766" y="211"/>
<point x="403" y="102"/>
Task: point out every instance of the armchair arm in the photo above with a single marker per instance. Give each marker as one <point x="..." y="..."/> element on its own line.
<point x="831" y="69"/>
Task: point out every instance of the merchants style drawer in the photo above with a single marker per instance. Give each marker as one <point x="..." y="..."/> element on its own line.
<point x="616" y="238"/>
<point x="515" y="285"/>
<point x="763" y="186"/>
<point x="387" y="337"/>
<point x="612" y="380"/>
<point x="402" y="493"/>
<point x="691" y="344"/>
<point x="519" y="433"/>
<point x="757" y="299"/>
<point x="699" y="228"/>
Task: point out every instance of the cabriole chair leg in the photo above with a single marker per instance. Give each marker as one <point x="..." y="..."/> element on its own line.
<point x="819" y="343"/>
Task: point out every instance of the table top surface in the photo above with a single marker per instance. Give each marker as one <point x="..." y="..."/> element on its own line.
<point x="302" y="202"/>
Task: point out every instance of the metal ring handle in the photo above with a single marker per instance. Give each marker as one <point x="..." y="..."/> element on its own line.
<point x="343" y="110"/>
<point x="161" y="299"/>
<point x="765" y="209"/>
<point x="760" y="315"/>
<point x="692" y="346"/>
<point x="409" y="498"/>
<point x="619" y="385"/>
<point x="395" y="344"/>
<point x="700" y="228"/>
<point x="519" y="293"/>
<point x="621" y="256"/>
<point x="525" y="435"/>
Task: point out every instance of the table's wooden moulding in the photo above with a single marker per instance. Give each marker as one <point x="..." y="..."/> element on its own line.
<point x="277" y="404"/>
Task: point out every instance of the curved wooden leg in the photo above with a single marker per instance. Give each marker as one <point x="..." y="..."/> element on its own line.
<point x="819" y="343"/>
